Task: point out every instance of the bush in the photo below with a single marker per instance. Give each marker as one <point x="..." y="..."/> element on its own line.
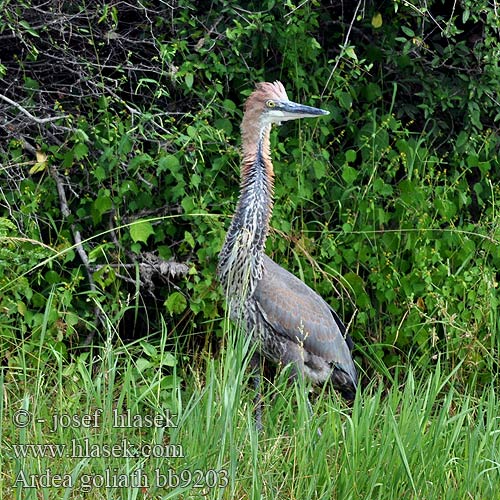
<point x="123" y="133"/>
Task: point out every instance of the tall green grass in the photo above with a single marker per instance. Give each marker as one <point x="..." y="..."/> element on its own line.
<point x="426" y="437"/>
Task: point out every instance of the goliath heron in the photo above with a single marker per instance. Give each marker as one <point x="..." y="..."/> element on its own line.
<point x="291" y="323"/>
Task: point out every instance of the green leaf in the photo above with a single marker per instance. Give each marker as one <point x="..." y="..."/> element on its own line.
<point x="168" y="359"/>
<point x="472" y="160"/>
<point x="349" y="52"/>
<point x="224" y="124"/>
<point x="350" y="156"/>
<point x="21" y="307"/>
<point x="379" y="186"/>
<point x="195" y="180"/>
<point x="372" y="92"/>
<point x="189" y="239"/>
<point x="71" y="318"/>
<point x="28" y="28"/>
<point x="168" y="163"/>
<point x="346" y="227"/>
<point x="462" y="139"/>
<point x="149" y="349"/>
<point x="141" y="231"/>
<point x="447" y="209"/>
<point x="349" y="174"/>
<point x="345" y="100"/>
<point x="187" y="204"/>
<point x="142" y="364"/>
<point x="475" y="115"/>
<point x="407" y="31"/>
<point x="377" y="20"/>
<point x="80" y="151"/>
<point x="99" y="173"/>
<point x="168" y="382"/>
<point x="140" y="161"/>
<point x="176" y="303"/>
<point x="229" y="105"/>
<point x="358" y="287"/>
<point x="102" y="204"/>
<point x="319" y="169"/>
<point x="52" y="277"/>
<point x="189" y="79"/>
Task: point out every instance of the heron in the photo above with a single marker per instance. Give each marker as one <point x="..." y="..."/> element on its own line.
<point x="290" y="323"/>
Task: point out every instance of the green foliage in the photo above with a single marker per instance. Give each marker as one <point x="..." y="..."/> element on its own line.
<point x="120" y="131"/>
<point x="388" y="206"/>
<point x="38" y="304"/>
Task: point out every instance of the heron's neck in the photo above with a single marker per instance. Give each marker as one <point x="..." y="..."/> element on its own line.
<point x="241" y="257"/>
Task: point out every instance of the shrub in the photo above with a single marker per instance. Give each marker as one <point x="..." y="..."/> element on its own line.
<point x="123" y="133"/>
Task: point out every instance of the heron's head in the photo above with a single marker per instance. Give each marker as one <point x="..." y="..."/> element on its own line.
<point x="269" y="104"/>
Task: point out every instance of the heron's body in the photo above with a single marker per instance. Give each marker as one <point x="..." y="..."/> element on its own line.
<point x="290" y="322"/>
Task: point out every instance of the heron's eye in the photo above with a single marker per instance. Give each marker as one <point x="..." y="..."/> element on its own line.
<point x="270" y="104"/>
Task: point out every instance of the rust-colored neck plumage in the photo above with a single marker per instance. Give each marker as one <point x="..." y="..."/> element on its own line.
<point x="256" y="173"/>
<point x="241" y="257"/>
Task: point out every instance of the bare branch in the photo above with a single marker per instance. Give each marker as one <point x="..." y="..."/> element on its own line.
<point x="79" y="246"/>
<point x="28" y="114"/>
<point x="342" y="47"/>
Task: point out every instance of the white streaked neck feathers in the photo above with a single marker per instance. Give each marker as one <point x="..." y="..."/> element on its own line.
<point x="241" y="257"/>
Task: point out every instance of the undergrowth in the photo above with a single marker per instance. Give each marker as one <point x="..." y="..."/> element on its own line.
<point x="388" y="207"/>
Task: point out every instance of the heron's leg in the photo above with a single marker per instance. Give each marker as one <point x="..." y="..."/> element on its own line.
<point x="296" y="377"/>
<point x="295" y="357"/>
<point x="255" y="362"/>
<point x="310" y="411"/>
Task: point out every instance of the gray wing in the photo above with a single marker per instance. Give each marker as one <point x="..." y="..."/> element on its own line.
<point x="297" y="312"/>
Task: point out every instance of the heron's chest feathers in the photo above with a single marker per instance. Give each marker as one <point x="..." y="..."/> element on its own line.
<point x="240" y="261"/>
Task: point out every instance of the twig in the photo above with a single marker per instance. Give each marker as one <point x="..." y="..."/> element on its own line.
<point x="28" y="146"/>
<point x="342" y="47"/>
<point x="79" y="248"/>
<point x="28" y="114"/>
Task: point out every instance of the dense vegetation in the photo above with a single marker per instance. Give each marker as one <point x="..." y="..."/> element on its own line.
<point x="120" y="161"/>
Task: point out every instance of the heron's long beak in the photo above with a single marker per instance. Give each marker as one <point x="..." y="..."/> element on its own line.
<point x="292" y="110"/>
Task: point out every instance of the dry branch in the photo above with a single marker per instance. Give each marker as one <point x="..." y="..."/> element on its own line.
<point x="28" y="114"/>
<point x="77" y="237"/>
